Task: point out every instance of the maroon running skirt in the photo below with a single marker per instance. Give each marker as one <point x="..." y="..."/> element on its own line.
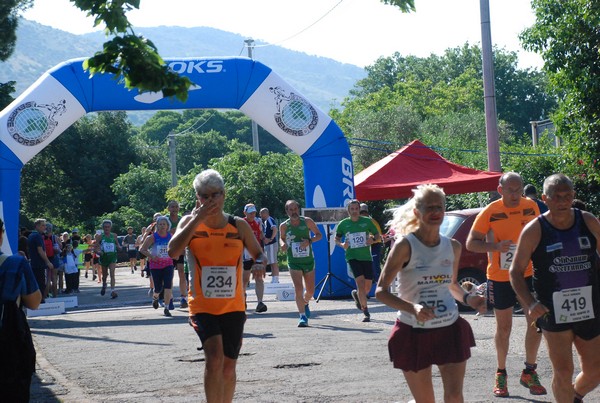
<point x="416" y="349"/>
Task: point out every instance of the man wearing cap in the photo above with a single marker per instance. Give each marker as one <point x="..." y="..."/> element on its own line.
<point x="258" y="274"/>
<point x="358" y="234"/>
<point x="376" y="245"/>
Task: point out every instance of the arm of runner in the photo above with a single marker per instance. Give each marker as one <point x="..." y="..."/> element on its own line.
<point x="145" y="249"/>
<point x="476" y="242"/>
<point x="187" y="225"/>
<point x="282" y="237"/>
<point x="476" y="302"/>
<point x="253" y="247"/>
<point x="528" y="241"/>
<point x="313" y="227"/>
<point x="593" y="225"/>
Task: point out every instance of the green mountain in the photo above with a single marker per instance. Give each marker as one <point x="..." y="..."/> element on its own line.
<point x="325" y="82"/>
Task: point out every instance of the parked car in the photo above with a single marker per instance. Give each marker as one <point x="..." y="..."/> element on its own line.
<point x="122" y="255"/>
<point x="472" y="266"/>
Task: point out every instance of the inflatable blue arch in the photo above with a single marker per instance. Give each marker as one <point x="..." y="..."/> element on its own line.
<point x="66" y="93"/>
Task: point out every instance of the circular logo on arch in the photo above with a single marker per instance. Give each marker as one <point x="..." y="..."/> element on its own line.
<point x="295" y="115"/>
<point x="30" y="124"/>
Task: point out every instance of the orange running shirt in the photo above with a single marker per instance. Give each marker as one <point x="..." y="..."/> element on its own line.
<point x="500" y="223"/>
<point x="215" y="262"/>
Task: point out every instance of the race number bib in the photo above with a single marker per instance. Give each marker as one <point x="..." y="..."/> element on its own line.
<point x="506" y="258"/>
<point x="573" y="305"/>
<point x="162" y="251"/>
<point x="131" y="246"/>
<point x="431" y="298"/>
<point x="357" y="239"/>
<point x="108" y="247"/>
<point x="218" y="281"/>
<point x="298" y="250"/>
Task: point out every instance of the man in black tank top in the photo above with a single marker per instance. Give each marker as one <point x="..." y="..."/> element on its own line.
<point x="563" y="245"/>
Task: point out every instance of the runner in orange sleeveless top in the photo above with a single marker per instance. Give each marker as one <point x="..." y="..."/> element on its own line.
<point x="496" y="231"/>
<point x="214" y="243"/>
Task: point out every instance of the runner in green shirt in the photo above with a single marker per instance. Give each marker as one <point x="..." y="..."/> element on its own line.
<point x="358" y="233"/>
<point x="108" y="245"/>
<point x="296" y="241"/>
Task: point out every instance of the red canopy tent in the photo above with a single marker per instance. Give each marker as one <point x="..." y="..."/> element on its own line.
<point x="394" y="176"/>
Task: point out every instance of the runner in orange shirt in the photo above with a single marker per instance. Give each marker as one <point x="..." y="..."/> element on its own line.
<point x="496" y="231"/>
<point x="214" y="242"/>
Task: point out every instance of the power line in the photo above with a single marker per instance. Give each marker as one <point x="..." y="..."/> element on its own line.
<point x="302" y="30"/>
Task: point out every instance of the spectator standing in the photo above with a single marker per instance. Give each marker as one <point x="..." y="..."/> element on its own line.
<point x="53" y="250"/>
<point x="269" y="227"/>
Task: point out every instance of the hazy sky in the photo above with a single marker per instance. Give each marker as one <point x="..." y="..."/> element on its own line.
<point x="350" y="31"/>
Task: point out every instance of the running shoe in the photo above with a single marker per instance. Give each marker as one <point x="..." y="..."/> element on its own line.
<point x="532" y="382"/>
<point x="171" y="306"/>
<point x="113" y="295"/>
<point x="356" y="300"/>
<point x="103" y="290"/>
<point x="93" y="277"/>
<point x="303" y="322"/>
<point x="367" y="317"/>
<point x="86" y="275"/>
<point x="155" y="303"/>
<point x="307" y="311"/>
<point x="261" y="307"/>
<point x="166" y="312"/>
<point x="501" y="388"/>
<point x="131" y="271"/>
<point x="183" y="303"/>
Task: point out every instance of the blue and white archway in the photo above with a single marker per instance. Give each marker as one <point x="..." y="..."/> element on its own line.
<point x="66" y="93"/>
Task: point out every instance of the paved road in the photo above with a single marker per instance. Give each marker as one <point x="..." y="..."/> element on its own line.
<point x="122" y="350"/>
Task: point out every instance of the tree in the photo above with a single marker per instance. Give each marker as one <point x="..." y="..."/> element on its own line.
<point x="453" y="82"/>
<point x="142" y="190"/>
<point x="74" y="173"/>
<point x="566" y="35"/>
<point x="9" y="20"/>
<point x="197" y="149"/>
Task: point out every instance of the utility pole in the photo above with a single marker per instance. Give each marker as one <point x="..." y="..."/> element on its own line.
<point x="250" y="45"/>
<point x="491" y="121"/>
<point x="171" y="138"/>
